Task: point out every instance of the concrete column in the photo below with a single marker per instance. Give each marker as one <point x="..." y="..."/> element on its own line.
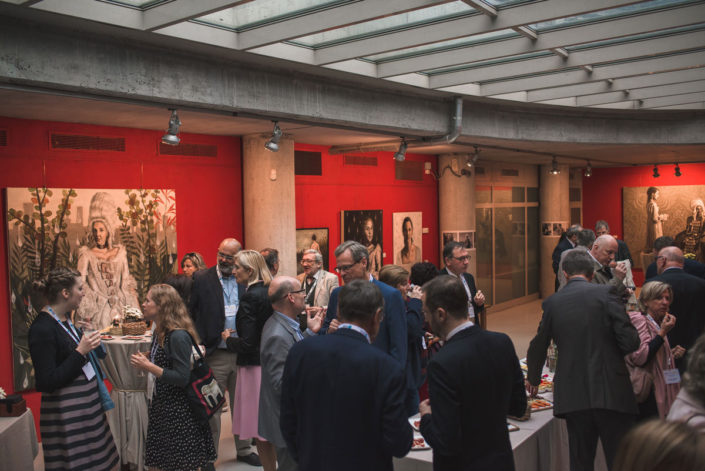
<point x="554" y="208"/>
<point x="269" y="199"/>
<point x="456" y="201"/>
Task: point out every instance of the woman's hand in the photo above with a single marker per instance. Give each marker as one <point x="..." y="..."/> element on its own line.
<point x="139" y="360"/>
<point x="226" y="334"/>
<point x="89" y="342"/>
<point x="678" y="352"/>
<point x="414" y="292"/>
<point x="668" y="322"/>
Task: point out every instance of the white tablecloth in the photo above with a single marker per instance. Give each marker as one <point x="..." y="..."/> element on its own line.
<point x="18" y="442"/>
<point x="128" y="421"/>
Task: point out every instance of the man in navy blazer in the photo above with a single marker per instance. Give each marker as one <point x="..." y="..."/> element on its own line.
<point x="215" y="298"/>
<point x="567" y="241"/>
<point x="352" y="264"/>
<point x="342" y="405"/>
<point x="456" y="259"/>
<point x="474" y="382"/>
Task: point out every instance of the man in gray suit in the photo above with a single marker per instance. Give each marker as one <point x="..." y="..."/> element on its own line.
<point x="280" y="333"/>
<point x="592" y="331"/>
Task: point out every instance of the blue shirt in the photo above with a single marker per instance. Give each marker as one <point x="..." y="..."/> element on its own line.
<point x="293" y="323"/>
<point x="230" y="297"/>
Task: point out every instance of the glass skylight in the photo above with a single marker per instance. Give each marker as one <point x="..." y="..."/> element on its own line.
<point x="635" y="37"/>
<point x="139" y="4"/>
<point x="398" y="22"/>
<point x="501" y="60"/>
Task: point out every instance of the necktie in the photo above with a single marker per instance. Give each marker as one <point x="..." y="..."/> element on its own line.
<point x="607" y="272"/>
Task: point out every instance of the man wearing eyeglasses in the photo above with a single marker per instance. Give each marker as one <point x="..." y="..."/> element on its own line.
<point x="456" y="259"/>
<point x="317" y="282"/>
<point x="352" y="264"/>
<point x="280" y="333"/>
<point x="215" y="298"/>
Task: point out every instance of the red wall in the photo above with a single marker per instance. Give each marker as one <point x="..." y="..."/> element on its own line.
<point x="602" y="193"/>
<point x="319" y="199"/>
<point x="208" y="191"/>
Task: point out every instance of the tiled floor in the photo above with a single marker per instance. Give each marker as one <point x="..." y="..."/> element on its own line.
<point x="519" y="322"/>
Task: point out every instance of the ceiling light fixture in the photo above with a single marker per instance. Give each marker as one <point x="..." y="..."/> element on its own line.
<point x="554" y="167"/>
<point x="656" y="174"/>
<point x="588" y="170"/>
<point x="471" y="161"/>
<point x="272" y="144"/>
<point x="172" y="134"/>
<point x="678" y="170"/>
<point x="401" y="153"/>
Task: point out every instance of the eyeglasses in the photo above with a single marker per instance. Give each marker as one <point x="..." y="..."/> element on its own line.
<point x="227" y="257"/>
<point x="308" y="261"/>
<point x="302" y="290"/>
<point x="660" y="257"/>
<point x="345" y="268"/>
<point x="464" y="258"/>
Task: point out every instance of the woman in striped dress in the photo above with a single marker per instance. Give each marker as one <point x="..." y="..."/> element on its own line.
<point x="75" y="433"/>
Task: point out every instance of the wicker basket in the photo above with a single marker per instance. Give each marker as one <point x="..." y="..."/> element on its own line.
<point x="134" y="328"/>
<point x="115" y="330"/>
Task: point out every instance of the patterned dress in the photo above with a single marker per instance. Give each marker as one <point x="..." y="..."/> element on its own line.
<point x="175" y="441"/>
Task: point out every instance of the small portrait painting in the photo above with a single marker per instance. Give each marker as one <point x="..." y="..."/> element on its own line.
<point x="546" y="228"/>
<point x="365" y="226"/>
<point x="557" y="229"/>
<point x="467" y="238"/>
<point x="449" y="237"/>
<point x="407" y="238"/>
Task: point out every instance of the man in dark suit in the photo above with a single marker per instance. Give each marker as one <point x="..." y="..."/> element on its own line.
<point x="567" y="241"/>
<point x="456" y="260"/>
<point x="688" y="300"/>
<point x="352" y="264"/>
<point x="592" y="331"/>
<point x="474" y="382"/>
<point x="215" y="298"/>
<point x="602" y="228"/>
<point x="691" y="267"/>
<point x="280" y="333"/>
<point x="342" y="399"/>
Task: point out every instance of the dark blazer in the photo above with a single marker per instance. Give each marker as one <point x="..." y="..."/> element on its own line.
<point x="415" y="333"/>
<point x="207" y="307"/>
<point x="54" y="357"/>
<point x="692" y="267"/>
<point x="391" y="337"/>
<point x="623" y="252"/>
<point x="254" y="311"/>
<point x="473" y="290"/>
<point x="343" y="405"/>
<point x="563" y="245"/>
<point x="592" y="331"/>
<point x="688" y="306"/>
<point x="474" y="382"/>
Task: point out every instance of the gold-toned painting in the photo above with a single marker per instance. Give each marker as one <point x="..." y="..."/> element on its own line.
<point x="675" y="211"/>
<point x="120" y="241"/>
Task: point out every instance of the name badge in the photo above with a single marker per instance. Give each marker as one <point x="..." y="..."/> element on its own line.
<point x="88" y="371"/>
<point x="230" y="310"/>
<point x="672" y="376"/>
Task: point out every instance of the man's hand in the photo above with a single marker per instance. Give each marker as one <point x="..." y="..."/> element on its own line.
<point x="225" y="334"/>
<point x="333" y="326"/>
<point x="531" y="389"/>
<point x="620" y="270"/>
<point x="425" y="407"/>
<point x="315" y="317"/>
<point x="414" y="292"/>
<point x="479" y="298"/>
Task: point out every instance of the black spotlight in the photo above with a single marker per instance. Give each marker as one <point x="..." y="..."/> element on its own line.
<point x="588" y="170"/>
<point x="656" y="174"/>
<point x="678" y="171"/>
<point x="554" y="167"/>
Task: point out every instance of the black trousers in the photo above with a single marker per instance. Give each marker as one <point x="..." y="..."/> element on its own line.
<point x="586" y="426"/>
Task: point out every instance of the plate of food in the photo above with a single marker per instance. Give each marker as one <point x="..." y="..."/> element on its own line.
<point x="419" y="443"/>
<point x="133" y="337"/>
<point x="512" y="427"/>
<point x="415" y="423"/>
<point x="546" y="385"/>
<point x="106" y="337"/>
<point x="538" y="403"/>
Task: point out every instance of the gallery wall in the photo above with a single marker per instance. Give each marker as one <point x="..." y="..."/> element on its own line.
<point x="602" y="193"/>
<point x="208" y="190"/>
<point x="319" y="199"/>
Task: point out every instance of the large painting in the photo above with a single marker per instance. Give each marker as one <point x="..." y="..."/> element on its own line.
<point x="121" y="241"/>
<point x="676" y="211"/>
<point x="407" y="238"/>
<point x="365" y="227"/>
<point x="316" y="239"/>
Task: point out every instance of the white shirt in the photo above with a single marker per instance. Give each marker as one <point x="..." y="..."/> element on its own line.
<point x="463" y="326"/>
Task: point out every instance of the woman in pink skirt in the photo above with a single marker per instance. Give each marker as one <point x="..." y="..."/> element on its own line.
<point x="250" y="270"/>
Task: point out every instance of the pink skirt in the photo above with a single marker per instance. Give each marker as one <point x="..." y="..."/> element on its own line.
<point x="246" y="408"/>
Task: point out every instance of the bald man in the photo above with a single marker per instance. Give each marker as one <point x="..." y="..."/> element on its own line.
<point x="688" y="304"/>
<point x="606" y="271"/>
<point x="280" y="333"/>
<point x="215" y="299"/>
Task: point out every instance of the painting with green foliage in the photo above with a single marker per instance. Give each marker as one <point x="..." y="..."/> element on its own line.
<point x="120" y="241"/>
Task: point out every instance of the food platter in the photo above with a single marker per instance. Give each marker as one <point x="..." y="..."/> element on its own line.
<point x="419" y="444"/>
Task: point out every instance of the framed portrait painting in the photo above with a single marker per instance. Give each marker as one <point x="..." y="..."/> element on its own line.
<point x="408" y="244"/>
<point x="364" y="226"/>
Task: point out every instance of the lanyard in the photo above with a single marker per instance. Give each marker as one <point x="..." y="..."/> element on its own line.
<point x="153" y="352"/>
<point x="72" y="333"/>
<point x="228" y="294"/>
<point x="356" y="329"/>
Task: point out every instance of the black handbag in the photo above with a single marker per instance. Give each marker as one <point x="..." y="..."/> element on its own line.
<point x="203" y="393"/>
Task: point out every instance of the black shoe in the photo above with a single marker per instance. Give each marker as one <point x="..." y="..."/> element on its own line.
<point x="251" y="459"/>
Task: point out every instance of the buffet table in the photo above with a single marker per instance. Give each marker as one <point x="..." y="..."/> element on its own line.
<point x="18" y="442"/>
<point x="128" y="421"/>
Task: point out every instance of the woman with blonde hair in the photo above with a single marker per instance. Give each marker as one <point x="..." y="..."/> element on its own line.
<point x="192" y="262"/>
<point x="175" y="439"/>
<point x="655" y="357"/>
<point x="251" y="270"/>
<point x="661" y="446"/>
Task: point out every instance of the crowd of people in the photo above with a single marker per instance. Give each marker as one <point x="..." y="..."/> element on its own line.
<point x="321" y="376"/>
